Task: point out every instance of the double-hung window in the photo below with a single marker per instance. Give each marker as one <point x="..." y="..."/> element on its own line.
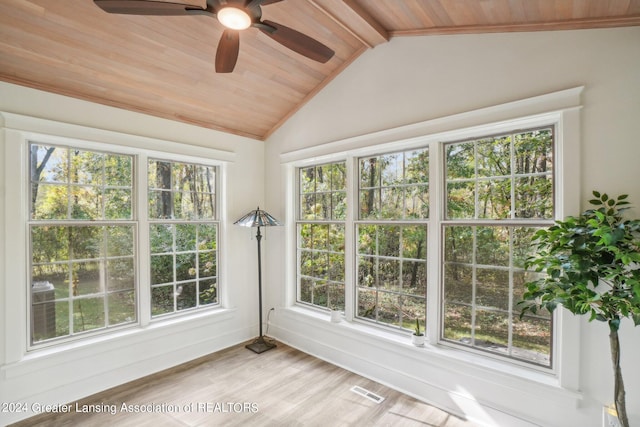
<point x="183" y="234"/>
<point x="391" y="230"/>
<point x="490" y="194"/>
<point x="499" y="191"/>
<point x="322" y="201"/>
<point x="88" y="253"/>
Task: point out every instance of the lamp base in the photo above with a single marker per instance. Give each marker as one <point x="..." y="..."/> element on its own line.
<point x="259" y="345"/>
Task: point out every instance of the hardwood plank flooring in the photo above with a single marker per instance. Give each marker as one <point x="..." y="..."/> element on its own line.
<point x="236" y="387"/>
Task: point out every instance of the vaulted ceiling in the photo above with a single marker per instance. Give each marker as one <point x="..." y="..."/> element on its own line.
<point x="164" y="65"/>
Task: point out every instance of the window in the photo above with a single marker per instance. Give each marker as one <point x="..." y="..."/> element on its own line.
<point x="182" y="236"/>
<point x="85" y="246"/>
<point x="392" y="238"/>
<point x="499" y="191"/>
<point x="321" y="235"/>
<point x="477" y="200"/>
<point x="82" y="240"/>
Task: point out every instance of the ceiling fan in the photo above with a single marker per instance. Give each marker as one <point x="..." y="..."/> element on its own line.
<point x="235" y="16"/>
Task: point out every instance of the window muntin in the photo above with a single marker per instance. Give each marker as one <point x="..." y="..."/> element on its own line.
<point x="82" y="241"/>
<point x="499" y="191"/>
<point x="391" y="253"/>
<point x="183" y="236"/>
<point x="322" y="205"/>
<point x="392" y="274"/>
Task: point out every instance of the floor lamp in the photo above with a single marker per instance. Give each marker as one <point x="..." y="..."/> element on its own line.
<point x="259" y="218"/>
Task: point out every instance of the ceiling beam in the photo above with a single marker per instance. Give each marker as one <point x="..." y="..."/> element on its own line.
<point x="353" y="18"/>
<point x="572" y="24"/>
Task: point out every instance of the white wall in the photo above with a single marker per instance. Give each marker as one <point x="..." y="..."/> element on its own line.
<point x="64" y="374"/>
<point x="417" y="79"/>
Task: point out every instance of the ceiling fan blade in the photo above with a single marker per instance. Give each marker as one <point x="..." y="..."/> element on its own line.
<point x="254" y="3"/>
<point x="298" y="42"/>
<point x="151" y="7"/>
<point x="227" y="53"/>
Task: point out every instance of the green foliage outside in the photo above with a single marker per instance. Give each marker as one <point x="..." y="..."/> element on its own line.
<point x="83" y="239"/>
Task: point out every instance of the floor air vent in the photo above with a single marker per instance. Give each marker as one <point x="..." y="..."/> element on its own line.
<point x="366" y="393"/>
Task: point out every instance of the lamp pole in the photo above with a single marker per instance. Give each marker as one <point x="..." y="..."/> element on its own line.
<point x="259" y="218"/>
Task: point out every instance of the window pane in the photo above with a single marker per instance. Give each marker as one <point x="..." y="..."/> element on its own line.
<point x="532" y="339"/>
<point x="457" y="322"/>
<point x="492" y="246"/>
<point x="117" y="203"/>
<point x="458" y="244"/>
<point x="534" y="197"/>
<point x="417" y="202"/>
<point x="49" y="163"/>
<point x="162" y="300"/>
<point x="208" y="292"/>
<point x="87" y="167"/>
<point x="118" y="170"/>
<point x="161" y="269"/>
<point x="461" y="199"/>
<point x="88" y="314"/>
<point x="458" y="283"/>
<point x="370" y="203"/>
<point x="534" y="152"/>
<point x="388" y="309"/>
<point x="185" y="237"/>
<point x="50" y="201"/>
<point x="414" y="277"/>
<point x="207" y="264"/>
<point x="493" y="157"/>
<point x="120" y="274"/>
<point x="50" y="243"/>
<point x="367" y="304"/>
<point x="186" y="296"/>
<point x="392" y="172"/>
<point x="122" y="307"/>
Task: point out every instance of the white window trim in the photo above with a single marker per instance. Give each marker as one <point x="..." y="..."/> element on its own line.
<point x="560" y="108"/>
<point x="17" y="132"/>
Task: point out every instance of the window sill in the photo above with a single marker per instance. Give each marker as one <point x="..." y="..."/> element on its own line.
<point x="64" y="352"/>
<point x="444" y="357"/>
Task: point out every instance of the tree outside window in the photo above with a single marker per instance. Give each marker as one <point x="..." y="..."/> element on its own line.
<point x="83" y="258"/>
<point x="322" y="204"/>
<point x="392" y="238"/>
<point x="183" y="236"/>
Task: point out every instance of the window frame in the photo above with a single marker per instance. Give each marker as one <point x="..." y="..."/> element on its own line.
<point x="174" y="222"/>
<point x="561" y="109"/>
<point x="20" y="131"/>
<point x="511" y="222"/>
<point x="75" y="223"/>
<point x="330" y="222"/>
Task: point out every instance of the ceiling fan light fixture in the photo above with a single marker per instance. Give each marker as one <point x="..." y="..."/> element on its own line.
<point x="234" y="18"/>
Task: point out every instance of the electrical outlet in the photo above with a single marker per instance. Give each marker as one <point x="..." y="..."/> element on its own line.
<point x="610" y="417"/>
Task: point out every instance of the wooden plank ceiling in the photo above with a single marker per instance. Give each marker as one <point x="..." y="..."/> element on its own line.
<point x="164" y="65"/>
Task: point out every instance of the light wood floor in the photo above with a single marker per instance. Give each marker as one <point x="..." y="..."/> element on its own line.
<point x="236" y="387"/>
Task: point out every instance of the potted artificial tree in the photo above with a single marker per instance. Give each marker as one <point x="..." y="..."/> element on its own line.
<point x="592" y="267"/>
<point x="417" y="338"/>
